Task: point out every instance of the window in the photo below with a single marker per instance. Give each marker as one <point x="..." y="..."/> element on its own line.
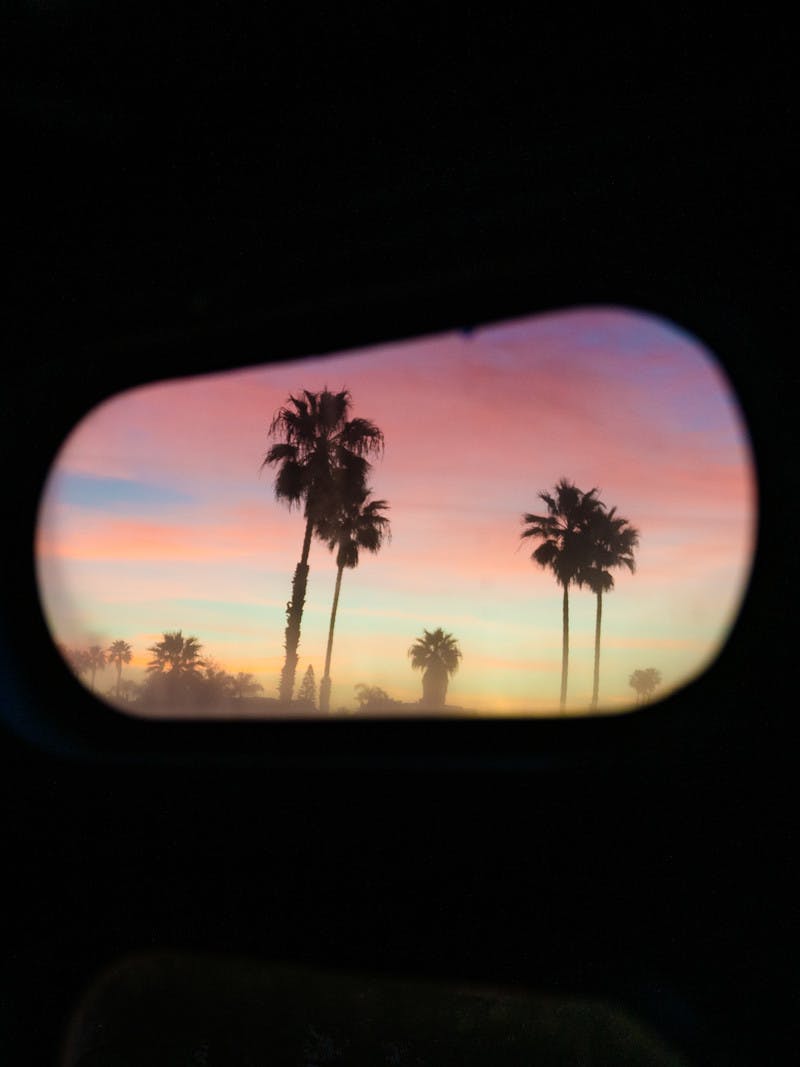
<point x="552" y="515"/>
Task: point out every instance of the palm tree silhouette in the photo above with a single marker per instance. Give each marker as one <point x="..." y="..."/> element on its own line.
<point x="357" y="524"/>
<point x="175" y="670"/>
<point x="565" y="547"/>
<point x="645" y="682"/>
<point x="119" y="652"/>
<point x="436" y="654"/>
<point x="176" y="655"/>
<point x="613" y="541"/>
<point x="95" y="661"/>
<point x="318" y="443"/>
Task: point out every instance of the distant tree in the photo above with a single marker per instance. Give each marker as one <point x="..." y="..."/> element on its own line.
<point x="214" y="687"/>
<point x="96" y="661"/>
<point x="373" y="698"/>
<point x="307" y="696"/>
<point x="645" y="683"/>
<point x="174" y="672"/>
<point x="316" y="443"/>
<point x="438" y="656"/>
<point x="119" y="652"/>
<point x="564" y="549"/>
<point x="76" y="658"/>
<point x="245" y="685"/>
<point x="612" y="542"/>
<point x="129" y="691"/>
<point x="355" y="522"/>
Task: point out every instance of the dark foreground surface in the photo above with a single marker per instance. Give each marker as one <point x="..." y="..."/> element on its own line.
<point x="168" y="1009"/>
<point x="196" y="189"/>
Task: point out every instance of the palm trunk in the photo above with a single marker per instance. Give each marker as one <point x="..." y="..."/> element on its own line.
<point x="434" y="686"/>
<point x="91" y="683"/>
<point x="294" y="616"/>
<point x="597" y="624"/>
<point x="119" y="676"/>
<point x="325" y="684"/>
<point x="565" y="649"/>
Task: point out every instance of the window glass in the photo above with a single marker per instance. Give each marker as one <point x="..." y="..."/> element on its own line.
<point x="552" y="515"/>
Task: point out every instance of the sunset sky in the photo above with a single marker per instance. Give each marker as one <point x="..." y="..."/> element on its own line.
<point x="157" y="517"/>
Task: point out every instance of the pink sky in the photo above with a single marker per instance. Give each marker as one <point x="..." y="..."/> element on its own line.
<point x="157" y="517"/>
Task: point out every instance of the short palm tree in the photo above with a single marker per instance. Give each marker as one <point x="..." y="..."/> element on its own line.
<point x="438" y="656"/>
<point x="358" y="523"/>
<point x="175" y="672"/>
<point x="176" y="655"/>
<point x="95" y="661"/>
<point x="564" y="548"/>
<point x="645" y="682"/>
<point x="119" y="652"/>
<point x="318" y="442"/>
<point x="613" y="542"/>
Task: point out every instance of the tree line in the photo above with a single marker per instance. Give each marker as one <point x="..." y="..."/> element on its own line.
<point x="180" y="676"/>
<point x="177" y="677"/>
<point x="177" y="674"/>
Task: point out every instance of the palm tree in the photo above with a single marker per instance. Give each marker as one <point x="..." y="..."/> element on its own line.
<point x="613" y="542"/>
<point x="645" y="682"/>
<point x="436" y="654"/>
<point x="565" y="547"/>
<point x="357" y="524"/>
<point x="175" y="672"/>
<point x="318" y="442"/>
<point x="176" y="655"/>
<point x="119" y="652"/>
<point x="95" y="661"/>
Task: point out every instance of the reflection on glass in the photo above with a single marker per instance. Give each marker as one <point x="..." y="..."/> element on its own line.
<point x="547" y="516"/>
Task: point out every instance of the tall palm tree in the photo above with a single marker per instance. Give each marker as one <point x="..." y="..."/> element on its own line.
<point x="358" y="523"/>
<point x="613" y="541"/>
<point x="436" y="654"/>
<point x="318" y="441"/>
<point x="565" y="547"/>
<point x="95" y="661"/>
<point x="119" y="652"/>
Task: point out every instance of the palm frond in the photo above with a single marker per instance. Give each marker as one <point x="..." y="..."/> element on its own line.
<point x="280" y="452"/>
<point x="362" y="437"/>
<point x="435" y="648"/>
<point x="291" y="482"/>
